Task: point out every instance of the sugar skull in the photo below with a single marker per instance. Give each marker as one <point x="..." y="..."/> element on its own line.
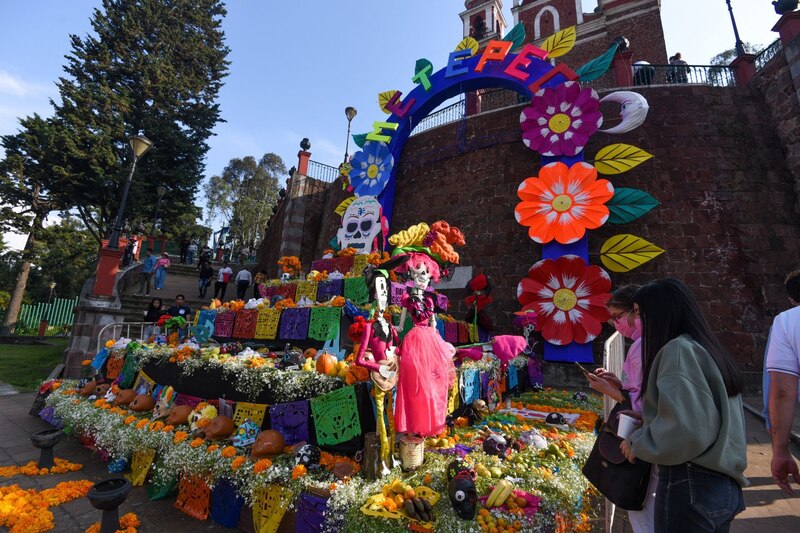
<point x="533" y="438"/>
<point x="286" y="277"/>
<point x="463" y="496"/>
<point x="580" y="397"/>
<point x="555" y="419"/>
<point x="165" y="400"/>
<point x="361" y="224"/>
<point x="308" y="455"/>
<point x="495" y="445"/>
<point x="246" y="434"/>
<point x="458" y="467"/>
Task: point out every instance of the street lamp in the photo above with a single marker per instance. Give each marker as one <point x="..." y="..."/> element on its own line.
<point x="739" y="46"/>
<point x="140" y="145"/>
<point x="350" y="113"/>
<point x="160" y="191"/>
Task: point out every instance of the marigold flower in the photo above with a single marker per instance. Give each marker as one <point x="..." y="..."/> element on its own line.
<point x="299" y="471"/>
<point x="196" y="442"/>
<point x="180" y="436"/>
<point x="238" y="462"/>
<point x="86" y="362"/>
<point x="261" y="465"/>
<point x="168" y="428"/>
<point x="212" y="448"/>
<point x="129" y="420"/>
<point x="142" y="423"/>
<point x="228" y="451"/>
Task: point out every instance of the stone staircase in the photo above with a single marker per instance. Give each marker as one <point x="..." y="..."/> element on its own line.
<point x="181" y="279"/>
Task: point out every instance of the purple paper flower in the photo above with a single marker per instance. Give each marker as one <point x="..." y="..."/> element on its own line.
<point x="560" y="120"/>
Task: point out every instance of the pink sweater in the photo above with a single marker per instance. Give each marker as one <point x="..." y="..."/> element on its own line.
<point x="632" y="373"/>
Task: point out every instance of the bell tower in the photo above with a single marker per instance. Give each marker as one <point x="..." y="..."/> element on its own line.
<point x="483" y="20"/>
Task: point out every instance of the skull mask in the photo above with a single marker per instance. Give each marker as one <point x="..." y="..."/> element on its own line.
<point x="361" y="223"/>
<point x="580" y="397"/>
<point x="246" y="434"/>
<point x="165" y="401"/>
<point x="459" y="467"/>
<point x="286" y="277"/>
<point x="463" y="496"/>
<point x="495" y="445"/>
<point x="308" y="455"/>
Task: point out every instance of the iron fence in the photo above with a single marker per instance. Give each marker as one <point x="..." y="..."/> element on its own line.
<point x="716" y="75"/>
<point x="322" y="172"/>
<point x="445" y="115"/>
<point x="766" y="55"/>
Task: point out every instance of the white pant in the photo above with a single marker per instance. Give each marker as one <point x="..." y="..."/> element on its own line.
<point x="644" y="521"/>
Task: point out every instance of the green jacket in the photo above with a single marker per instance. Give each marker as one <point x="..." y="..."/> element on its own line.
<point x="688" y="416"/>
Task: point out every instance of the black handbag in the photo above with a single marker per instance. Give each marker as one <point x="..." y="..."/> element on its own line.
<point x="622" y="482"/>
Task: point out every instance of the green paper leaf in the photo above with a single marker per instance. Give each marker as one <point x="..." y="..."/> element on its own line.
<point x="623" y="253"/>
<point x="597" y="66"/>
<point x="628" y="205"/>
<point x="516" y="36"/>
<point x="618" y="158"/>
<point x="421" y="64"/>
<point x="560" y="43"/>
<point x="360" y="139"/>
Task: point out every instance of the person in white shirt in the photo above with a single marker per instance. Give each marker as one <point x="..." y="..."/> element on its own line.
<point x="783" y="365"/>
<point x="243" y="280"/>
<point x="223" y="278"/>
<point x="190" y="251"/>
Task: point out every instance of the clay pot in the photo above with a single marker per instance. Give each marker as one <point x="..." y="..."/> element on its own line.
<point x="268" y="444"/>
<point x="125" y="397"/>
<point x="220" y="428"/>
<point x="102" y="389"/>
<point x="143" y="402"/>
<point x="88" y="389"/>
<point x="179" y="415"/>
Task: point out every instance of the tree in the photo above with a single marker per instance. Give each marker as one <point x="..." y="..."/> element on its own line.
<point x="244" y="195"/>
<point x="721" y="77"/>
<point x="725" y="58"/>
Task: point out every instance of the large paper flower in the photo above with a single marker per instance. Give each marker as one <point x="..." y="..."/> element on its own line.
<point x="560" y="120"/>
<point x="371" y="169"/>
<point x="562" y="203"/>
<point x="569" y="298"/>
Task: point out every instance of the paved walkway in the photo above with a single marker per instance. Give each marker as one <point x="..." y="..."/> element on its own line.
<point x="768" y="510"/>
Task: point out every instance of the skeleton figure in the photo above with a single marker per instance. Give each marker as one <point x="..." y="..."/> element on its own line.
<point x="362" y="222"/>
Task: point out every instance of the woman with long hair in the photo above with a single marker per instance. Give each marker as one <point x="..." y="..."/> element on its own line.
<point x="693" y="423"/>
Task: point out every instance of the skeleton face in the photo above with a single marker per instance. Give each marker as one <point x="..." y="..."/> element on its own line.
<point x="463" y="496"/>
<point x="381" y="293"/>
<point x="308" y="455"/>
<point x="361" y="223"/>
<point x="420" y="275"/>
<point x="285" y="277"/>
<point x="495" y="445"/>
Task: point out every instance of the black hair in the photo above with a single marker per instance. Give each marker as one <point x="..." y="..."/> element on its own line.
<point x="792" y="284"/>
<point x="623" y="297"/>
<point x="155" y="300"/>
<point x="180" y="296"/>
<point x="667" y="309"/>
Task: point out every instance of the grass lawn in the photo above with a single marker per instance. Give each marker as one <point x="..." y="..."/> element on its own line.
<point x="25" y="366"/>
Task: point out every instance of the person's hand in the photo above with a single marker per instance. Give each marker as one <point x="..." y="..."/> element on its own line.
<point x="608" y="376"/>
<point x="603" y="386"/>
<point x="783" y="465"/>
<point x="633" y="414"/>
<point x="627" y="451"/>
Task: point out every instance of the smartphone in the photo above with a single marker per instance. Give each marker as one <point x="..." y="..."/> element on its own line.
<point x="582" y="368"/>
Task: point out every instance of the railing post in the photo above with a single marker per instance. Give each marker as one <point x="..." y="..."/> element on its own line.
<point x="302" y="162"/>
<point x="745" y="69"/>
<point x="623" y="75"/>
<point x="788" y="27"/>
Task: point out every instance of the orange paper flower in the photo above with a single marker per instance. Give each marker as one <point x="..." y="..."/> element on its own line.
<point x="562" y="203"/>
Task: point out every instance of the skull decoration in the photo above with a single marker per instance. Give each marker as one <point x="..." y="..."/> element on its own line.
<point x="533" y="438"/>
<point x="580" y="397"/>
<point x="459" y="467"/>
<point x="142" y="402"/>
<point x="480" y="409"/>
<point x="463" y="496"/>
<point x="125" y="397"/>
<point x="246" y="434"/>
<point x="286" y="277"/>
<point x="495" y="445"/>
<point x="555" y="419"/>
<point x="361" y="224"/>
<point x="308" y="455"/>
<point x="102" y="390"/>
<point x="165" y="400"/>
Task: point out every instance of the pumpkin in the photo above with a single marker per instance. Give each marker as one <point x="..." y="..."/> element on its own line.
<point x="310" y="352"/>
<point x="326" y="364"/>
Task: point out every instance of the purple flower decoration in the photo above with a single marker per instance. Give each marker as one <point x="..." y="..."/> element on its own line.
<point x="525" y="318"/>
<point x="560" y="120"/>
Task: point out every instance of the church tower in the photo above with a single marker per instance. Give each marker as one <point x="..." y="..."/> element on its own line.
<point x="483" y="20"/>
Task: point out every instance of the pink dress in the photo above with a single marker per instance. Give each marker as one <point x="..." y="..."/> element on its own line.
<point x="426" y="373"/>
<point x="376" y="344"/>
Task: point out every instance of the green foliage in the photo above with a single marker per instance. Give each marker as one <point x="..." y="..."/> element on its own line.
<point x="244" y="195"/>
<point x="25" y="366"/>
<point x="150" y="67"/>
<point x="725" y="58"/>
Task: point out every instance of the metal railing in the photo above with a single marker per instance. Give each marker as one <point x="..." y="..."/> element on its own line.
<point x="445" y="115"/>
<point x="322" y="172"/>
<point x="114" y="331"/>
<point x="766" y="55"/>
<point x="716" y="75"/>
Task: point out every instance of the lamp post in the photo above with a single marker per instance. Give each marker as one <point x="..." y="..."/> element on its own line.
<point x="46" y="319"/>
<point x="350" y="113"/>
<point x="140" y="145"/>
<point x="739" y="45"/>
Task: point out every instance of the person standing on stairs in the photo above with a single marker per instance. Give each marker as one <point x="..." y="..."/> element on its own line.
<point x="243" y="280"/>
<point x="206" y="273"/>
<point x="223" y="278"/>
<point x="162" y="265"/>
<point x="147" y="272"/>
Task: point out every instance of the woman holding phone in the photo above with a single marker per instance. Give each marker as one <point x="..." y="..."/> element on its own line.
<point x="623" y="318"/>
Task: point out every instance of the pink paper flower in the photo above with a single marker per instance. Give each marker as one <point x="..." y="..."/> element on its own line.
<point x="569" y="298"/>
<point x="560" y="120"/>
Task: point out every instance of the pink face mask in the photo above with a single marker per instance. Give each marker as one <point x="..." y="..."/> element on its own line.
<point x="625" y="328"/>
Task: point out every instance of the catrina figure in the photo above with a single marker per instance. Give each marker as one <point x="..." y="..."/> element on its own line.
<point x="377" y="354"/>
<point x="426" y="364"/>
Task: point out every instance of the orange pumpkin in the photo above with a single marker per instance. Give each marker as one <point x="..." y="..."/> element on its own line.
<point x="310" y="352"/>
<point x="326" y="363"/>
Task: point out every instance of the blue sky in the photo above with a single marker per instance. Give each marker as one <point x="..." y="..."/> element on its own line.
<point x="296" y="65"/>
